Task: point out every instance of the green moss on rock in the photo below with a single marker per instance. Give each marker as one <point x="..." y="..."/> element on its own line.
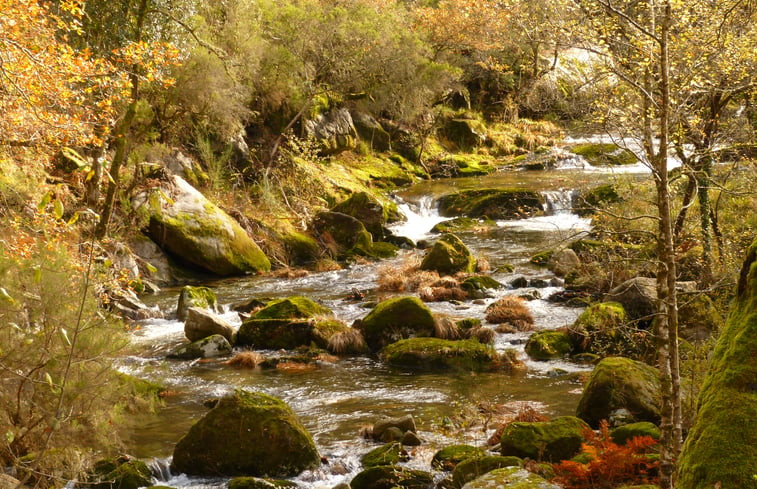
<point x="622" y="434"/>
<point x="391" y="477"/>
<point x="603" y="154"/>
<point x="603" y="329"/>
<point x="260" y="483"/>
<point x="480" y="282"/>
<point x="542" y="258"/>
<point x="548" y="345"/>
<point x="510" y="478"/>
<point x="559" y="439"/>
<point x="396" y="319"/>
<point x="388" y="454"/>
<point x="721" y="448"/>
<point x="195" y="297"/>
<point x="120" y="473"/>
<point x="459" y="224"/>
<point x="366" y="209"/>
<point x="449" y="255"/>
<point x="492" y="203"/>
<point x="301" y="249"/>
<point x="448" y="457"/>
<point x="274" y="334"/>
<point x="592" y="200"/>
<point x="621" y="383"/>
<point x="474" y="467"/>
<point x="246" y="433"/>
<point x="295" y="307"/>
<point x="438" y="354"/>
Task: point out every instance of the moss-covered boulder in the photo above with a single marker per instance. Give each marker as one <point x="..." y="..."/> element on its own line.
<point x="492" y="203"/>
<point x="448" y="256"/>
<point x="448" y="457"/>
<point x="346" y="236"/>
<point x="365" y="209"/>
<point x="548" y="345"/>
<point x="510" y="478"/>
<point x="638" y="296"/>
<point x="210" y="347"/>
<point x="464" y="133"/>
<point x="295" y="307"/>
<point x="395" y="319"/>
<point x="621" y="383"/>
<point x="391" y="477"/>
<point x="622" y="434"/>
<point x="301" y="249"/>
<point x="559" y="439"/>
<point x="260" y="483"/>
<point x="187" y="225"/>
<point x="721" y="448"/>
<point x="325" y="329"/>
<point x="473" y="468"/>
<point x="120" y="473"/>
<point x="438" y="354"/>
<point x="389" y="454"/>
<point x="371" y="132"/>
<point x="246" y="433"/>
<point x="590" y="201"/>
<point x="604" y="154"/>
<point x="190" y="296"/>
<point x="603" y="329"/>
<point x="459" y="224"/>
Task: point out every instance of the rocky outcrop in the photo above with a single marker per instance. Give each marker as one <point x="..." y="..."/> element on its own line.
<point x="621" y="384"/>
<point x="246" y="433"/>
<point x="721" y="448"/>
<point x="365" y="209"/>
<point x="492" y="203"/>
<point x="559" y="439"/>
<point x="371" y="131"/>
<point x="449" y="256"/>
<point x="344" y="236"/>
<point x="396" y="319"/>
<point x="187" y="225"/>
<point x="334" y="131"/>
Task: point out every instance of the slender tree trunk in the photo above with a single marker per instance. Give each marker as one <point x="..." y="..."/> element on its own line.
<point x="688" y="197"/>
<point x="704" y="176"/>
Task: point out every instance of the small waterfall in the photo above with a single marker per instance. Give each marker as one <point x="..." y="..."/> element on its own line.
<point x="559" y="201"/>
<point x="160" y="469"/>
<point x="420" y="218"/>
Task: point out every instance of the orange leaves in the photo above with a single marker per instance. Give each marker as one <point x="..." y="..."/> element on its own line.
<point x="54" y="95"/>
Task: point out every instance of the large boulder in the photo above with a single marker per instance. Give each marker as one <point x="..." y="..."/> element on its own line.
<point x="396" y="319"/>
<point x="246" y="433"/>
<point x="448" y="457"/>
<point x="549" y="345"/>
<point x="621" y="383"/>
<point x="464" y="133"/>
<point x="559" y="439"/>
<point x="510" y="478"/>
<point x="449" y="256"/>
<point x="439" y="354"/>
<point x="697" y="317"/>
<point x="563" y="262"/>
<point x="155" y="264"/>
<point x="721" y="448"/>
<point x="187" y="225"/>
<point x="492" y="203"/>
<point x="295" y="307"/>
<point x="201" y="324"/>
<point x="334" y="131"/>
<point x="365" y="209"/>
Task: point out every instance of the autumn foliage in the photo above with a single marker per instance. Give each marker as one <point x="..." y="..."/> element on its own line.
<point x="610" y="465"/>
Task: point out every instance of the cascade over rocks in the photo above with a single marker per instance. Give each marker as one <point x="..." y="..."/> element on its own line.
<point x="187" y="225"/>
<point x="721" y="448"/>
<point x="246" y="433"/>
<point x="620" y="383"/>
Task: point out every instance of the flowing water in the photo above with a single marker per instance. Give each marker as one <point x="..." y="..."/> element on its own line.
<point x="335" y="400"/>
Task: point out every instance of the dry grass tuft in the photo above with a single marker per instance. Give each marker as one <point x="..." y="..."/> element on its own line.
<point x="483" y="335"/>
<point x="446" y="329"/>
<point x="512" y="310"/>
<point x="406" y="277"/>
<point x="291" y="273"/>
<point x="440" y="294"/>
<point x="246" y="359"/>
<point x="347" y="342"/>
<point x="482" y="264"/>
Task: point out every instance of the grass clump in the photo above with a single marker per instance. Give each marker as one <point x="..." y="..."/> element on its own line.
<point x="510" y="310"/>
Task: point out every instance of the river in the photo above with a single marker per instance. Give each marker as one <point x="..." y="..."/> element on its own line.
<point x="335" y="400"/>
